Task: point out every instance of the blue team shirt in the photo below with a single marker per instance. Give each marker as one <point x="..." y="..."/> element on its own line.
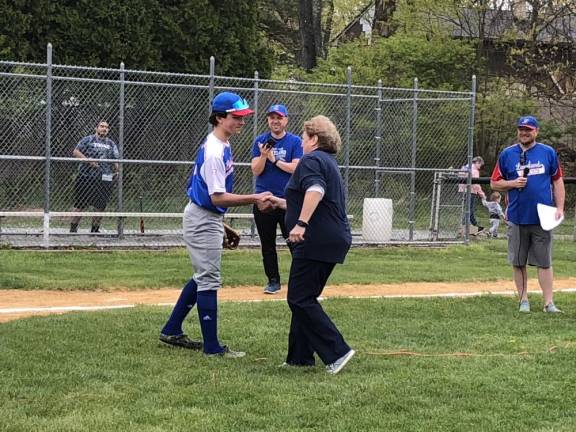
<point x="272" y="178"/>
<point x="542" y="161"/>
<point x="213" y="173"/>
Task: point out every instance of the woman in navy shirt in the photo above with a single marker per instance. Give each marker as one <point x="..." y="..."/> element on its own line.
<point x="320" y="234"/>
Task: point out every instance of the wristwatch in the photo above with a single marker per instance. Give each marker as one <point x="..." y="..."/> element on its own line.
<point x="301" y="223"/>
<point x="275" y="162"/>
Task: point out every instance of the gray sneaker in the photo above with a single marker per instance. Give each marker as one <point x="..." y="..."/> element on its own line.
<point x="272" y="288"/>
<point x="524" y="306"/>
<point x="227" y="353"/>
<point x="338" y="365"/>
<point x="551" y="308"/>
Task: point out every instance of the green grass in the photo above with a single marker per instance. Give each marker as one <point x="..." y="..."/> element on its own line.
<point x="85" y="270"/>
<point x="105" y="371"/>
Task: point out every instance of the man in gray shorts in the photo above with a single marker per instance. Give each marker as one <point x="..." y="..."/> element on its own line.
<point x="530" y="173"/>
<point x="210" y="193"/>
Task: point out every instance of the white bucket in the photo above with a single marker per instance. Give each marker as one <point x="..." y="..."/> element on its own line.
<point x="377" y="219"/>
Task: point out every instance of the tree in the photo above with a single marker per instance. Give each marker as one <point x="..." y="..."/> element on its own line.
<point x="300" y="31"/>
<point x="171" y="35"/>
<point x="307" y="34"/>
<point x="383" y="17"/>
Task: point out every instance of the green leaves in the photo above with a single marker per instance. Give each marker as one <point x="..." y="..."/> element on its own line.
<point x="174" y="36"/>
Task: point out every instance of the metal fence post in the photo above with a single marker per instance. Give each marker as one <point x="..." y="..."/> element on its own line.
<point x="378" y="138"/>
<point x="347" y="139"/>
<point x="48" y="150"/>
<point x="413" y="162"/>
<point x="122" y="104"/>
<point x="211" y="88"/>
<point x="254" y="135"/>
<point x="470" y="151"/>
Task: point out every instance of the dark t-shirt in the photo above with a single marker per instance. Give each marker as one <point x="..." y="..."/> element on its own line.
<point x="327" y="237"/>
<point x="97" y="148"/>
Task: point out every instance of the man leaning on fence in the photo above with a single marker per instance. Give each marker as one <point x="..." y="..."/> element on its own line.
<point x="93" y="185"/>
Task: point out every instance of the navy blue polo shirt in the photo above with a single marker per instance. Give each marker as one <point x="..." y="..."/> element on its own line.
<point x="327" y="237"/>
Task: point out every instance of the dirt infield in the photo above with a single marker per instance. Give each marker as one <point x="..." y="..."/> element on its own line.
<point x="16" y="304"/>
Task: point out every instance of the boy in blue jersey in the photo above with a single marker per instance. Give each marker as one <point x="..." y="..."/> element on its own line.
<point x="530" y="173"/>
<point x="275" y="155"/>
<point x="210" y="194"/>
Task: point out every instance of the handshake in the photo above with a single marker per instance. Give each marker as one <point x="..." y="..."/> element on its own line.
<point x="266" y="202"/>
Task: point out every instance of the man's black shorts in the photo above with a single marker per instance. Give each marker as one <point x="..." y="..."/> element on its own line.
<point x="92" y="191"/>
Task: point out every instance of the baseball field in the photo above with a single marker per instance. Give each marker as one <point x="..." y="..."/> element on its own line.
<point x="434" y="363"/>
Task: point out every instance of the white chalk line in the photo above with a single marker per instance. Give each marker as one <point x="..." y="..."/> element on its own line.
<point x="54" y="309"/>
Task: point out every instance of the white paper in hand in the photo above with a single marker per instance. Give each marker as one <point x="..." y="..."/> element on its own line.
<point x="547" y="215"/>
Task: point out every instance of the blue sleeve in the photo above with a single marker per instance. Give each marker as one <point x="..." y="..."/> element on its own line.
<point x="553" y="162"/>
<point x="297" y="150"/>
<point x="311" y="173"/>
<point x="502" y="165"/>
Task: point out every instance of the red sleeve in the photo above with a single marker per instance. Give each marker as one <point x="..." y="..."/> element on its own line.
<point x="496" y="174"/>
<point x="558" y="174"/>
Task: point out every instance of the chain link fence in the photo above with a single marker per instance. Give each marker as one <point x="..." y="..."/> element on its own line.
<point x="395" y="144"/>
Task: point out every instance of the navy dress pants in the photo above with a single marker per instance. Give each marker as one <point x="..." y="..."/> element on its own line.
<point x="311" y="329"/>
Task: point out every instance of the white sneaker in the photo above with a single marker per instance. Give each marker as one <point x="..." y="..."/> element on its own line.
<point x="338" y="365"/>
<point x="551" y="308"/>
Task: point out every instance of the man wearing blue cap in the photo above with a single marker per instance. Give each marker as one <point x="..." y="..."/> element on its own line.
<point x="275" y="155"/>
<point x="530" y="173"/>
<point x="210" y="193"/>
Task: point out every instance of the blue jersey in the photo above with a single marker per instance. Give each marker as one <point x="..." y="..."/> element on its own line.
<point x="543" y="165"/>
<point x="272" y="178"/>
<point x="213" y="173"/>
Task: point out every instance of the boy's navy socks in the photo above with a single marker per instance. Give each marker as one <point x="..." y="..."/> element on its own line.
<point x="208" y="316"/>
<point x="185" y="302"/>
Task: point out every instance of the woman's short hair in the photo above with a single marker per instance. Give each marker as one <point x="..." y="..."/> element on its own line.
<point x="212" y="119"/>
<point x="328" y="136"/>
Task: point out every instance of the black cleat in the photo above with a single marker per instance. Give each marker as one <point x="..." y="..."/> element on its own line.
<point x="181" y="341"/>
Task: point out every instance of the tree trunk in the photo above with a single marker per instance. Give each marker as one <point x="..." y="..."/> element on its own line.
<point x="307" y="37"/>
<point x="328" y="28"/>
<point x="383" y="12"/>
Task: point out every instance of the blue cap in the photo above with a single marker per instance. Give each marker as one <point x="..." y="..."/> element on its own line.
<point x="278" y="109"/>
<point x="528" y="122"/>
<point x="232" y="103"/>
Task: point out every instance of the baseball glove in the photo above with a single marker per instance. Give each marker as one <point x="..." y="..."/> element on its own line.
<point x="231" y="238"/>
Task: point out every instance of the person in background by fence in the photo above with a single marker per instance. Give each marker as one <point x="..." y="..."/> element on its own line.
<point x="315" y="207"/>
<point x="476" y="192"/>
<point x="210" y="193"/>
<point x="530" y="173"/>
<point x="495" y="212"/>
<point x="93" y="185"/>
<point x="275" y="155"/>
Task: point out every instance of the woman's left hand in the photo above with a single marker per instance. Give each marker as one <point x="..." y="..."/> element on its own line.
<point x="297" y="234"/>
